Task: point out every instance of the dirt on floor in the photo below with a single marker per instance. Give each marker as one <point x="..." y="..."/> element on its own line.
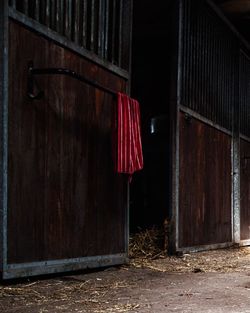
<point x="213" y="281"/>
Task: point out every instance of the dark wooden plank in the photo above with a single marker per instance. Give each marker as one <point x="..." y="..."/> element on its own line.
<point x="244" y="190"/>
<point x="65" y="200"/>
<point x="205" y="184"/>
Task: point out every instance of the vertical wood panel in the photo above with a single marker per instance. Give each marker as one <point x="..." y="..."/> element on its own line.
<point x="205" y="184"/>
<point x="245" y="190"/>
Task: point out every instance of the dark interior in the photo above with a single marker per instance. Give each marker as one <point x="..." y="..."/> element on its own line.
<point x="153" y="58"/>
<point x="151" y="84"/>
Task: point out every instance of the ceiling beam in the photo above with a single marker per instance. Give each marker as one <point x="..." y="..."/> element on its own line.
<point x="236" y="7"/>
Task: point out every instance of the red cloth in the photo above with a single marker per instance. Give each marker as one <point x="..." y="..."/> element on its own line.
<point x="129" y="147"/>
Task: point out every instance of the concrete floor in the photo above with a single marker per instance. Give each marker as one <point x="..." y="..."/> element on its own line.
<point x="134" y="289"/>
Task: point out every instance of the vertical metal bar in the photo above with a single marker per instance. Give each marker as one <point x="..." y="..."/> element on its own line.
<point x="37" y="10"/>
<point x="101" y="28"/>
<point x="176" y="146"/>
<point x="220" y="78"/>
<point x="236" y="162"/>
<point x="58" y="16"/>
<point x="25" y="7"/>
<point x="77" y="21"/>
<point x="3" y="133"/>
<point x="92" y="25"/>
<point x="106" y="30"/>
<point x="53" y="4"/>
<point x="13" y="4"/>
<point x="113" y="45"/>
<point x="84" y="21"/>
<point x="190" y="42"/>
<point x="120" y="33"/>
<point x="186" y="59"/>
<point x="47" y="13"/>
<point x="62" y="17"/>
<point x="68" y="18"/>
<point x="201" y="28"/>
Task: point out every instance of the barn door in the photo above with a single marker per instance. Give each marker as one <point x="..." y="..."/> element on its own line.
<point x="207" y="87"/>
<point x="67" y="208"/>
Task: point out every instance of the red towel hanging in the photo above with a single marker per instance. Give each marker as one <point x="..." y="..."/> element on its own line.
<point x="129" y="147"/>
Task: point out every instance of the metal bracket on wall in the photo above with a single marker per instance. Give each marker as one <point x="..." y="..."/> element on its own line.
<point x="32" y="84"/>
<point x="188" y="118"/>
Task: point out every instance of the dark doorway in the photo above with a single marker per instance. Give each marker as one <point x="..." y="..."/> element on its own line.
<point x="151" y="85"/>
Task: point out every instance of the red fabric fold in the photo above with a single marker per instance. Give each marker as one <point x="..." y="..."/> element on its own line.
<point x="129" y="156"/>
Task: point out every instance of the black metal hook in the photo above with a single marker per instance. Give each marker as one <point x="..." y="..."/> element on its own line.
<point x="32" y="83"/>
<point x="58" y="71"/>
<point x="188" y="118"/>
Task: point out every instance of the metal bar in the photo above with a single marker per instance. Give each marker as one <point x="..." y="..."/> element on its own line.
<point x="13" y="4"/>
<point x="236" y="188"/>
<point x="68" y="17"/>
<point x="61" y="18"/>
<point x="53" y="5"/>
<point x="236" y="197"/>
<point x="58" y="16"/>
<point x="101" y="28"/>
<point x="57" y="38"/>
<point x="113" y="45"/>
<point x="64" y="265"/>
<point x="84" y="22"/>
<point x="93" y="26"/>
<point x="37" y="10"/>
<point x="4" y="132"/>
<point x="67" y="72"/>
<point x="47" y="13"/>
<point x="106" y="30"/>
<point x="120" y="32"/>
<point x="243" y="243"/>
<point x="26" y="7"/>
<point x="228" y="23"/>
<point x="77" y="13"/>
<point x="244" y="137"/>
<point x="176" y="161"/>
<point x="205" y="120"/>
<point x="206" y="247"/>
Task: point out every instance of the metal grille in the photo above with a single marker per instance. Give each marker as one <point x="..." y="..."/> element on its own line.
<point x="209" y="62"/>
<point x="244" y="94"/>
<point x="99" y="26"/>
